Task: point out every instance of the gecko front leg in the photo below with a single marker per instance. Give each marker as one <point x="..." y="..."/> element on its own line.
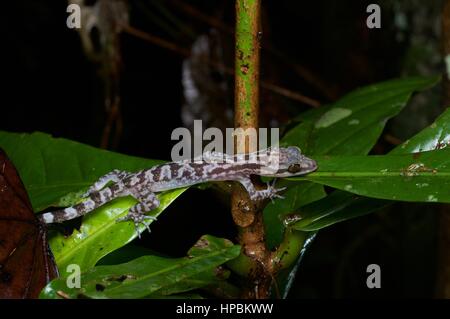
<point x="115" y="176"/>
<point x="147" y="202"/>
<point x="254" y="194"/>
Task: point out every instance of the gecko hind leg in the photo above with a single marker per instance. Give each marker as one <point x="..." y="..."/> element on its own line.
<point x="114" y="176"/>
<point x="147" y="202"/>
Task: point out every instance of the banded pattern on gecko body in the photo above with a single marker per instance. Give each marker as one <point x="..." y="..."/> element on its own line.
<point x="211" y="166"/>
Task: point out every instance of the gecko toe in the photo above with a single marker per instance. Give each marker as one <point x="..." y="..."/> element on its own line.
<point x="138" y="219"/>
<point x="136" y="228"/>
<point x="148" y="227"/>
<point x="124" y="219"/>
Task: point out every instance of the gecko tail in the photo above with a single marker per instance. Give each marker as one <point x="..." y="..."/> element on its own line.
<point x="69" y="213"/>
<point x="92" y="202"/>
<point x="62" y="215"/>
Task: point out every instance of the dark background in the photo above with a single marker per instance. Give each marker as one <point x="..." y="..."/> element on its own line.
<point x="49" y="85"/>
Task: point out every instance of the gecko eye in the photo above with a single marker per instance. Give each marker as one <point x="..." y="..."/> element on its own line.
<point x="294" y="168"/>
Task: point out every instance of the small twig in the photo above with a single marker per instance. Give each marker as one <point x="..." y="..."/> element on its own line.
<point x="186" y="29"/>
<point x="302" y="71"/>
<point x="156" y="40"/>
<point x="218" y="66"/>
<point x="194" y="12"/>
<point x="114" y="120"/>
<point x="290" y="94"/>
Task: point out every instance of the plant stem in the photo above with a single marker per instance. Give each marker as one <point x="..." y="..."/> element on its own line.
<point x="248" y="216"/>
<point x="288" y="251"/>
<point x="247" y="63"/>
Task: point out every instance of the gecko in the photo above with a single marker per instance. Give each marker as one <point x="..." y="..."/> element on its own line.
<point x="208" y="167"/>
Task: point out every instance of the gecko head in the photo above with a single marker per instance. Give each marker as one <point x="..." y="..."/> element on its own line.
<point x="288" y="162"/>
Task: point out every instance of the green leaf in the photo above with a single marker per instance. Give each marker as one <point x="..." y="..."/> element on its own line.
<point x="286" y="277"/>
<point x="350" y="126"/>
<point x="210" y="278"/>
<point x="435" y="136"/>
<point x="207" y="244"/>
<point x="55" y="171"/>
<point x="340" y="206"/>
<point x="146" y="276"/>
<point x="296" y="196"/>
<point x="336" y="207"/>
<point x="100" y="234"/>
<point x="51" y="167"/>
<point x="353" y="124"/>
<point x="125" y="254"/>
<point x="423" y="177"/>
